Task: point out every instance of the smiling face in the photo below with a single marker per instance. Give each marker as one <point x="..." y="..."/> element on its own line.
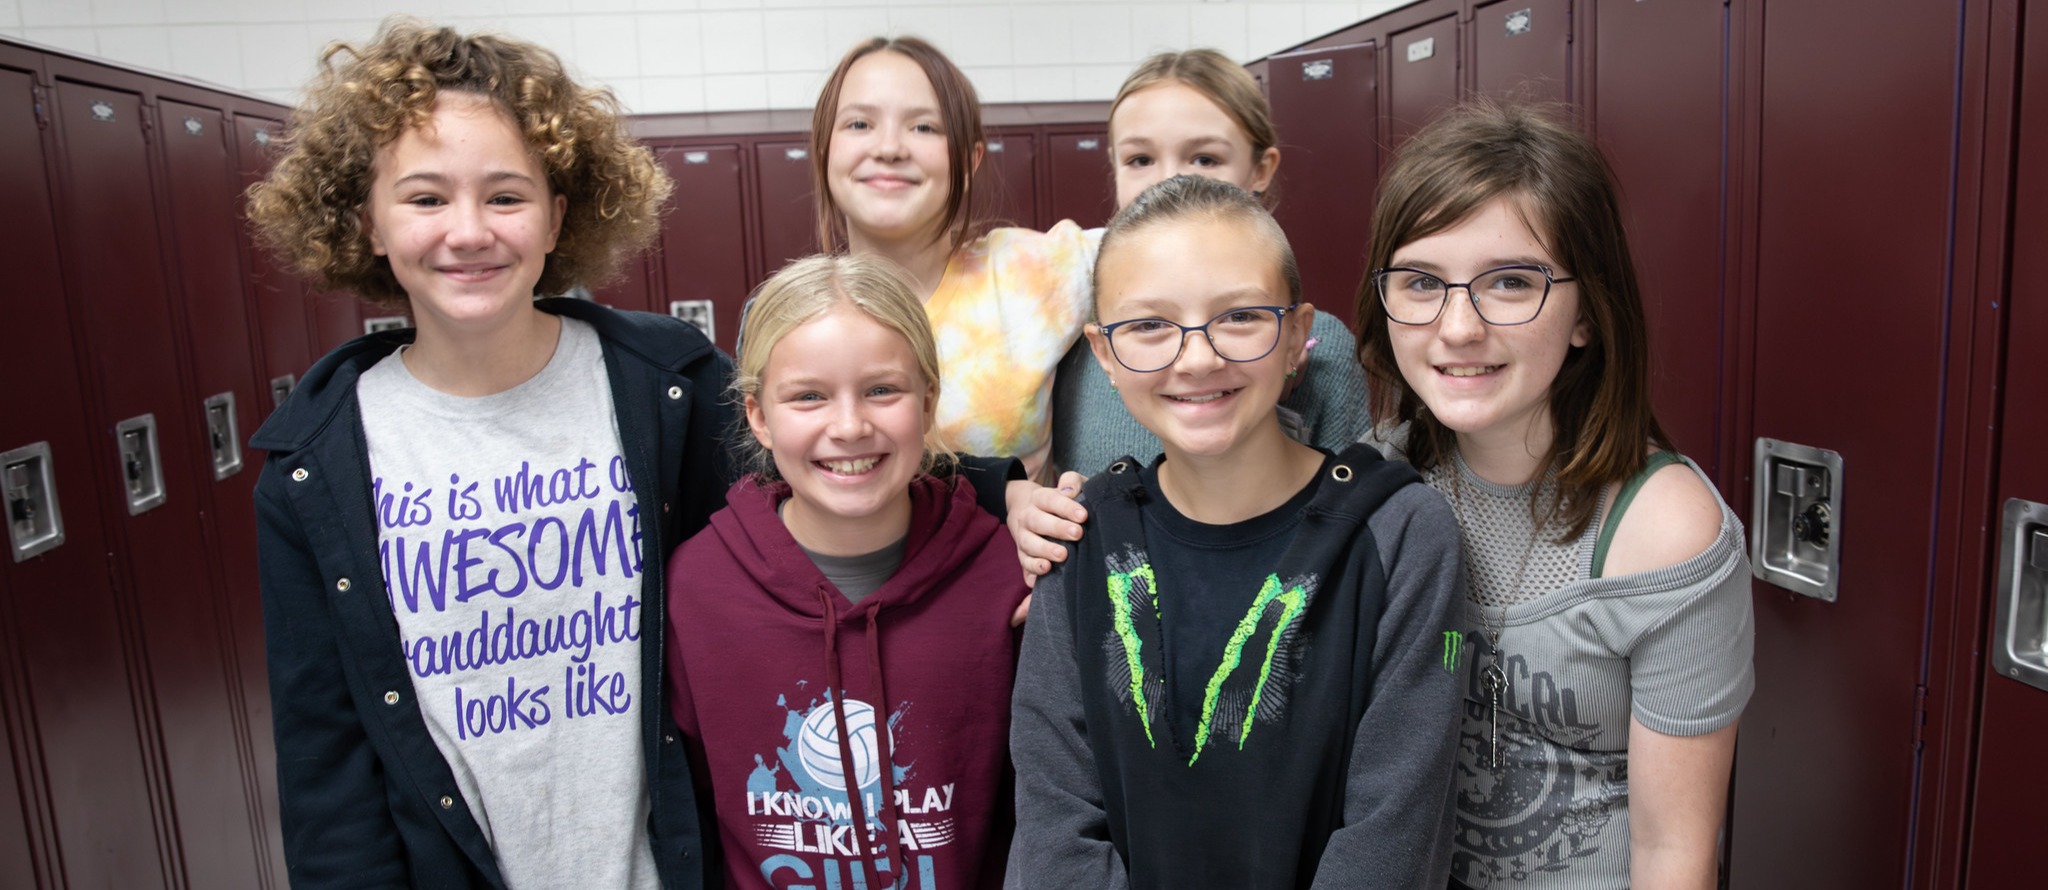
<point x="463" y="212"/>
<point x="843" y="409"/>
<point x="1489" y="384"/>
<point x="1189" y="271"/>
<point x="1170" y="128"/>
<point x="886" y="163"/>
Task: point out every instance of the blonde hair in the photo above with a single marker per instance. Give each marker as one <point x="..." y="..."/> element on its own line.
<point x="309" y="209"/>
<point x="810" y="287"/>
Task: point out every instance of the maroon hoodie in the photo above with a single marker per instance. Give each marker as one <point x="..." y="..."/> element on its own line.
<point x="761" y="646"/>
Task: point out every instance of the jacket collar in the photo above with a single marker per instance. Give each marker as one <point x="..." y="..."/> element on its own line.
<point x="331" y="382"/>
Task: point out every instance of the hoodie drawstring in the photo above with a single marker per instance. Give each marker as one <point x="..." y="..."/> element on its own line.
<point x="851" y="776"/>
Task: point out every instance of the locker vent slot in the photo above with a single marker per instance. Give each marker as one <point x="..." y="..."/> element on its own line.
<point x="35" y="524"/>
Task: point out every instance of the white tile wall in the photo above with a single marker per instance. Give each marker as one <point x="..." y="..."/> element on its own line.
<point x="697" y="55"/>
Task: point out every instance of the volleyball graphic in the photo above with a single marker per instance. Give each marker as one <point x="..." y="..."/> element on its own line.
<point x="817" y="745"/>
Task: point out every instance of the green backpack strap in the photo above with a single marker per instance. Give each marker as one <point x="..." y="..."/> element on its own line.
<point x="1656" y="462"/>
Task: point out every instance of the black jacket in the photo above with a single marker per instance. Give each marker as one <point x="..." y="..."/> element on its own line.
<point x="367" y="798"/>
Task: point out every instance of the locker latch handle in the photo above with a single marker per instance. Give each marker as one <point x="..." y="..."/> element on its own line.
<point x="225" y="442"/>
<point x="34" y="522"/>
<point x="140" y="464"/>
<point x="2019" y="647"/>
<point x="1796" y="505"/>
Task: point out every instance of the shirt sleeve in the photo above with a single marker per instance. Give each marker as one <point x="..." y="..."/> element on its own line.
<point x="1691" y="673"/>
<point x="338" y="829"/>
<point x="1062" y="837"/>
<point x="1399" y="796"/>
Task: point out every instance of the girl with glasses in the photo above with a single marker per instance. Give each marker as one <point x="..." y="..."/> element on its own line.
<point x="1606" y="621"/>
<point x="1242" y="676"/>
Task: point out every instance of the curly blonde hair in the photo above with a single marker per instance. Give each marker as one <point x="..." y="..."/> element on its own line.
<point x="309" y="210"/>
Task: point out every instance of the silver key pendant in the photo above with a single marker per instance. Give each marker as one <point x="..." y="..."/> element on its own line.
<point x="1495" y="680"/>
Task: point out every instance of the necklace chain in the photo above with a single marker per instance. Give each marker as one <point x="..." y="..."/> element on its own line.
<point x="1493" y="676"/>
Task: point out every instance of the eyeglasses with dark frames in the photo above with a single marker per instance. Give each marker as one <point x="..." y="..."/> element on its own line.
<point x="1243" y="334"/>
<point x="1508" y="295"/>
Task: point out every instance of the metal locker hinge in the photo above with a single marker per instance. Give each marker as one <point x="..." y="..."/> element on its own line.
<point x="1795" y="518"/>
<point x="2020" y="647"/>
<point x="34" y="522"/>
<point x="142" y="475"/>
<point x="222" y="437"/>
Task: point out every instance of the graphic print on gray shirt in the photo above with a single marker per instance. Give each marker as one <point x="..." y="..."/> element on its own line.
<point x="510" y="542"/>
<point x="1670" y="647"/>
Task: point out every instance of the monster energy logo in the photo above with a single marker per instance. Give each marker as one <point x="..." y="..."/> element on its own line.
<point x="1292" y="600"/>
<point x="1454" y="645"/>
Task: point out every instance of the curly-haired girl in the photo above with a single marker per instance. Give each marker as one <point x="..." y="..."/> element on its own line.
<point x="463" y="526"/>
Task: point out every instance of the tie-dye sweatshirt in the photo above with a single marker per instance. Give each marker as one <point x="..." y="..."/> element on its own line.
<point x="1010" y="304"/>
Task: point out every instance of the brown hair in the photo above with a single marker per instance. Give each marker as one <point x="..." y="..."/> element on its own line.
<point x="1219" y="80"/>
<point x="309" y="209"/>
<point x="808" y="288"/>
<point x="959" y="113"/>
<point x="1484" y="151"/>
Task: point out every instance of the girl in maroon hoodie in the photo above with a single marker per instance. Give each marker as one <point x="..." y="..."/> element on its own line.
<point x="840" y="651"/>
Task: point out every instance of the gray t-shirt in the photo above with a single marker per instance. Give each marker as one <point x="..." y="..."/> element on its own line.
<point x="510" y="542"/>
<point x="1672" y="647"/>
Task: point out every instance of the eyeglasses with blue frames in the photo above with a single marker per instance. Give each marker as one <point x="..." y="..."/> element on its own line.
<point x="1243" y="334"/>
<point x="1508" y="295"/>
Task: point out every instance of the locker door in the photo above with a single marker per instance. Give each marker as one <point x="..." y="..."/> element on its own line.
<point x="1523" y="48"/>
<point x="1659" y="117"/>
<point x="1079" y="175"/>
<point x="1007" y="183"/>
<point x="112" y="233"/>
<point x="277" y="299"/>
<point x="633" y="289"/>
<point x="1323" y="105"/>
<point x="1422" y="77"/>
<point x="1848" y="283"/>
<point x="2008" y="822"/>
<point x="788" y="221"/>
<point x="75" y="735"/>
<point x="338" y="318"/>
<point x="201" y="179"/>
<point x="23" y="870"/>
<point x="703" y="240"/>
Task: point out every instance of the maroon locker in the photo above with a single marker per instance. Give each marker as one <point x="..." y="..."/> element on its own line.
<point x="1422" y="78"/>
<point x="227" y="405"/>
<point x="1078" y="178"/>
<point x="113" y="243"/>
<point x="788" y="221"/>
<point x="632" y="289"/>
<point x="278" y="305"/>
<point x="23" y="870"/>
<point x="1006" y="186"/>
<point x="1846" y="262"/>
<point x="73" y="731"/>
<point x="1324" y="103"/>
<point x="703" y="239"/>
<point x="2007" y="820"/>
<point x="1522" y="48"/>
<point x="1658" y="113"/>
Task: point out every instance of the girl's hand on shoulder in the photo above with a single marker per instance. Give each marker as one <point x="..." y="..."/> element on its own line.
<point x="1041" y="518"/>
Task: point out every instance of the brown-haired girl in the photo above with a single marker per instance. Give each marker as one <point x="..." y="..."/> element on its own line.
<point x="463" y="525"/>
<point x="1608" y="624"/>
<point x="895" y="138"/>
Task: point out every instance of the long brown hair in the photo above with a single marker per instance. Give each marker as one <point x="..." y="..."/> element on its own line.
<point x="959" y="112"/>
<point x="1477" y="153"/>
